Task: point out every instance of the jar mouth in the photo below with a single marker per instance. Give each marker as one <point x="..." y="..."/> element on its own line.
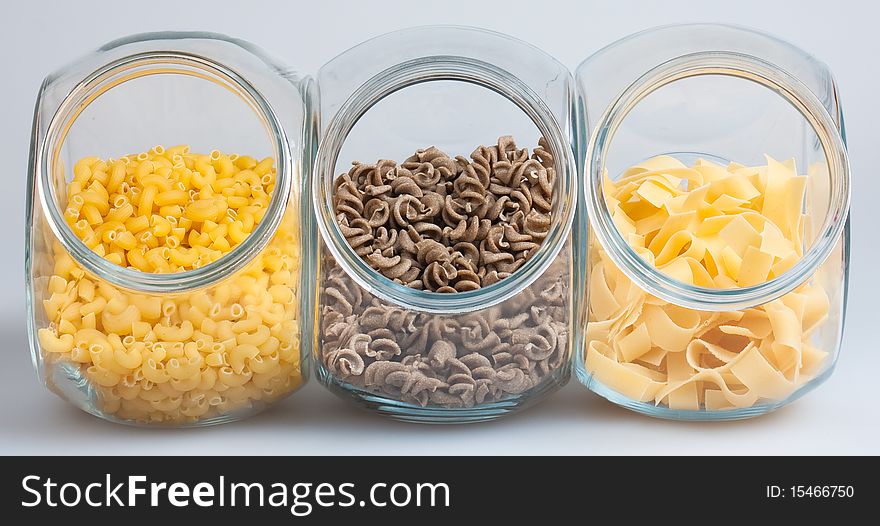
<point x="127" y="69"/>
<point x="746" y="67"/>
<point x="418" y="71"/>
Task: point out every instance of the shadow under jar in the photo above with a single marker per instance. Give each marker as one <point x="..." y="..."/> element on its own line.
<point x="457" y="336"/>
<point x="717" y="185"/>
<point x="164" y="250"/>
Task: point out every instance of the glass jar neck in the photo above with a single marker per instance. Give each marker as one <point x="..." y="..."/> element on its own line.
<point x="129" y="68"/>
<point x="745" y="67"/>
<point x="417" y="71"/>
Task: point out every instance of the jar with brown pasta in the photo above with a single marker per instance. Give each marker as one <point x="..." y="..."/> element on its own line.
<point x="444" y="195"/>
<point x="165" y="249"/>
<point x="717" y="185"/>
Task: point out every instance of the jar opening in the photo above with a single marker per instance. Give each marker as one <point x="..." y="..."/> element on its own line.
<point x="161" y="76"/>
<point x="438" y="69"/>
<point x="723" y="69"/>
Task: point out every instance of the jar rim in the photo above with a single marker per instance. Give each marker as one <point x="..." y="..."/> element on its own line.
<point x="132" y="67"/>
<point x="430" y="69"/>
<point x="748" y="68"/>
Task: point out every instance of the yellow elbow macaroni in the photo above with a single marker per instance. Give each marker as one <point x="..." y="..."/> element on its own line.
<point x="716" y="227"/>
<point x="184" y="357"/>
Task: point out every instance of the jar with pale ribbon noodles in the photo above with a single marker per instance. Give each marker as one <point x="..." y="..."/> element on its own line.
<point x="165" y="248"/>
<point x="444" y="195"/>
<point x="717" y="186"/>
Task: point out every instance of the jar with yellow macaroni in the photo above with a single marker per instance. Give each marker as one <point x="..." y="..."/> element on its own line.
<point x="166" y="245"/>
<point x="717" y="186"/>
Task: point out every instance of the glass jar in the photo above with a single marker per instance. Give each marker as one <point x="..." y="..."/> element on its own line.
<point x="214" y="335"/>
<point x="717" y="277"/>
<point x="473" y="353"/>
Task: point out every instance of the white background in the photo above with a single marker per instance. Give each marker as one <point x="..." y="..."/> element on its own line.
<point x="840" y="417"/>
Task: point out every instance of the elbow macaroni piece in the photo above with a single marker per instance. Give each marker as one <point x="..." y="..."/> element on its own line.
<point x="716" y="227"/>
<point x="186" y="357"/>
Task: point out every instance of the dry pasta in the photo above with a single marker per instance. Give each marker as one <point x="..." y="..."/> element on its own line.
<point x="711" y="226"/>
<point x="190" y="356"/>
<point x="447" y="225"/>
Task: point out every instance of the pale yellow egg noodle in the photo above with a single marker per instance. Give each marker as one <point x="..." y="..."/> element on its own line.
<point x="711" y="226"/>
<point x="195" y="355"/>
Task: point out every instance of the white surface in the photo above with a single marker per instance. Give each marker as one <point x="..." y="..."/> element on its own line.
<point x="841" y="417"/>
